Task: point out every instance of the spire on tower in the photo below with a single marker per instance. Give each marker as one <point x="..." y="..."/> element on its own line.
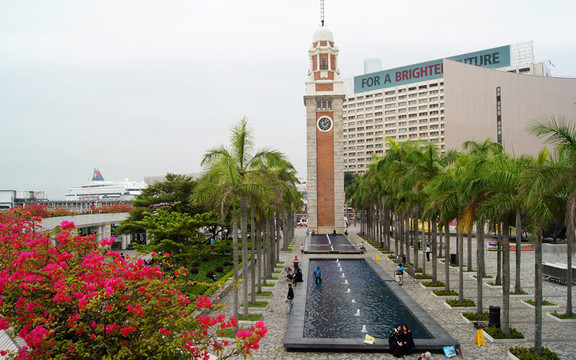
<point x="322" y="12"/>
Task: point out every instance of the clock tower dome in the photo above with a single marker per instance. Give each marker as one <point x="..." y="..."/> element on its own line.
<point x="324" y="99"/>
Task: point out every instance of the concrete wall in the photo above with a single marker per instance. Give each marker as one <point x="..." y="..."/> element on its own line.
<point x="470" y="105"/>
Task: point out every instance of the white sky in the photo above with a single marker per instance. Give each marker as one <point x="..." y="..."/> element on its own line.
<point x="143" y="87"/>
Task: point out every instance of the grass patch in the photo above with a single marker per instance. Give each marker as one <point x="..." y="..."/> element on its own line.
<point x="431" y="284"/>
<point x="528" y="354"/>
<point x="277" y="272"/>
<point x="544" y="302"/>
<point x="469" y="271"/>
<point x="421" y="276"/>
<point x="273" y="278"/>
<point x="287" y="250"/>
<point x="472" y="316"/>
<point x="281" y="262"/>
<point x="497" y="333"/>
<point x="251" y="317"/>
<point x="387" y="252"/>
<point x="263" y="293"/>
<point x="563" y="316"/>
<point x="258" y="304"/>
<point x="492" y="283"/>
<point x="522" y="292"/>
<point x="392" y="256"/>
<point x="268" y="285"/>
<point x="456" y="303"/>
<point x="484" y="277"/>
<point x="445" y="293"/>
<point x="419" y="270"/>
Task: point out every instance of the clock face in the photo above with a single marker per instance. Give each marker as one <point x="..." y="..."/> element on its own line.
<point x="324" y="124"/>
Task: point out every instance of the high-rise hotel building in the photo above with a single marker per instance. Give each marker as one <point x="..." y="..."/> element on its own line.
<point x="408" y="103"/>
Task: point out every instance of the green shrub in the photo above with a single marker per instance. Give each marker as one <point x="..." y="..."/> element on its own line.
<point x="392" y="256"/>
<point x="263" y="293"/>
<point x="472" y="316"/>
<point x="251" y="317"/>
<point x="544" y="302"/>
<point x="456" y="303"/>
<point x="421" y="276"/>
<point x="522" y="292"/>
<point x="431" y="284"/>
<point x="528" y="354"/>
<point x="445" y="293"/>
<point x="497" y="333"/>
<point x="258" y="304"/>
<point x="563" y="316"/>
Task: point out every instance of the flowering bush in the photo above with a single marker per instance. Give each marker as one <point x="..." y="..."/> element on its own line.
<point x="111" y="208"/>
<point x="71" y="298"/>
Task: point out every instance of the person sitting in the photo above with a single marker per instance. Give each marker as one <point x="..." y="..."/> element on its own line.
<point x="396" y="345"/>
<point x="298" y="277"/>
<point x="362" y="247"/>
<point x="334" y="232"/>
<point x="400" y="270"/>
<point x="407" y="339"/>
<point x="289" y="273"/>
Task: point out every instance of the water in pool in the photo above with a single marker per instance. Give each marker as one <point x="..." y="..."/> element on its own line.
<point x="333" y="312"/>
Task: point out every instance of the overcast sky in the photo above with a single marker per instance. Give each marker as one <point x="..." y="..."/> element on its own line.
<point x="141" y="88"/>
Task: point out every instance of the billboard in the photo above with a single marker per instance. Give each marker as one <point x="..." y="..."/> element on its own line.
<point x="491" y="58"/>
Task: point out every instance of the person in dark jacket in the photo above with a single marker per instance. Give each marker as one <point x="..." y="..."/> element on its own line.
<point x="407" y="339"/>
<point x="290" y="298"/>
<point x="395" y="341"/>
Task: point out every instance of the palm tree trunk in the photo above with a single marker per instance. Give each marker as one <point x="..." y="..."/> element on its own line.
<point x="407" y="239"/>
<point x="480" y="269"/>
<point x="461" y="266"/>
<point x="415" y="237"/>
<point x="260" y="260"/>
<point x="235" y="261"/>
<point x="278" y="236"/>
<point x="447" y="258"/>
<point x="252" y="255"/>
<point x="244" y="229"/>
<point x="517" y="286"/>
<point x="498" y="280"/>
<point x="506" y="282"/>
<point x="538" y="293"/>
<point x="265" y="246"/>
<point x="434" y="249"/>
<point x="570" y="235"/>
<point x="469" y="249"/>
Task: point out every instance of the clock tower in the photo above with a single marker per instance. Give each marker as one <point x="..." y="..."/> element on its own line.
<point x="324" y="99"/>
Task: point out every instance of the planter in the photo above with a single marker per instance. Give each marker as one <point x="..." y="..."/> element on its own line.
<point x="561" y="320"/>
<point x="492" y="286"/>
<point x="543" y="306"/>
<point x="445" y="296"/>
<point x="521" y="295"/>
<point x="511" y="356"/>
<point x="491" y="339"/>
<point x="459" y="307"/>
<point x="465" y="318"/>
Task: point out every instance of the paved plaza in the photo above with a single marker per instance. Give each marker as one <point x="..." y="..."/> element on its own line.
<point x="559" y="337"/>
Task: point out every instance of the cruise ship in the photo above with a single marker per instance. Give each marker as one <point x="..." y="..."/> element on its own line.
<point x="98" y="189"/>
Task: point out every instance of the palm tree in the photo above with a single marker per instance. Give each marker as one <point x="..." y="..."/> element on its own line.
<point x="230" y="180"/>
<point x="562" y="133"/>
<point x="540" y="200"/>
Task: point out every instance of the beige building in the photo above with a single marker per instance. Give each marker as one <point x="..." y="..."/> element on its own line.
<point x="471" y="105"/>
<point x="410" y="102"/>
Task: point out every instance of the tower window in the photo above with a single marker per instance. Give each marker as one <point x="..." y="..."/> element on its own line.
<point x="324" y="105"/>
<point x="323" y="64"/>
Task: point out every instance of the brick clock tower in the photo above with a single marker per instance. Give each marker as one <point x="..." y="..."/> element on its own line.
<point x="324" y="99"/>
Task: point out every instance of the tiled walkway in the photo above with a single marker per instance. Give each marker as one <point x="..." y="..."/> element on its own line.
<point x="560" y="337"/>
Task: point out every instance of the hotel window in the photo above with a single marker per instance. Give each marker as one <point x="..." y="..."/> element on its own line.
<point x="402" y="103"/>
<point x="412" y="122"/>
<point x="412" y="102"/>
<point x="423" y="107"/>
<point x="423" y="100"/>
<point x="401" y="97"/>
<point x="378" y="95"/>
<point x="391" y="92"/>
<point x="412" y="88"/>
<point x="390" y="106"/>
<point x="400" y="91"/>
<point x="390" y="99"/>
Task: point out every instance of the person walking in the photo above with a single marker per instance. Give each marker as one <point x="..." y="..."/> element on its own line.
<point x="301" y="248"/>
<point x="290" y="298"/>
<point x="428" y="251"/>
<point x="296" y="263"/>
<point x="318" y="275"/>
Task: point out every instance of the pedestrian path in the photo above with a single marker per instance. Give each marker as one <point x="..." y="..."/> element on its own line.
<point x="559" y="337"/>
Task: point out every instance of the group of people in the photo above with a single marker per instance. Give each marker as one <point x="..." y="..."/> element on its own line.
<point x="401" y="341"/>
<point x="293" y="276"/>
